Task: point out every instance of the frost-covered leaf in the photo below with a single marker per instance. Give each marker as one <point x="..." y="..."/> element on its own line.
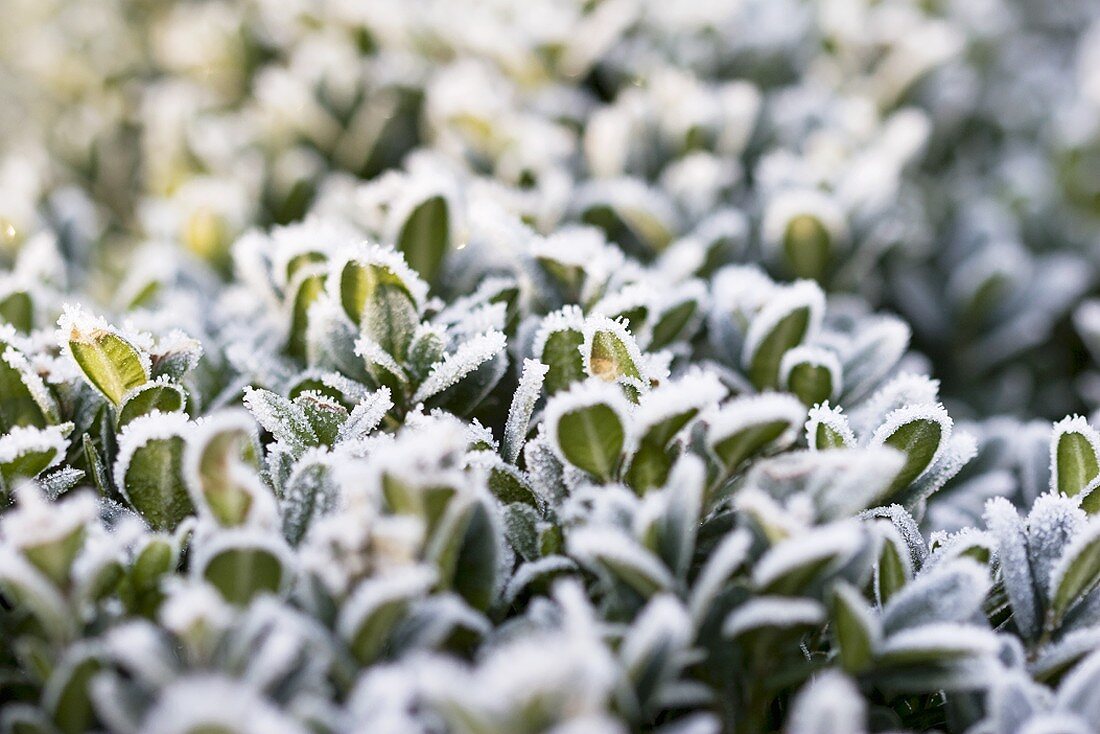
<point x="747" y="426"/>
<point x="108" y="361"/>
<point x="149" y="468"/>
<point x="856" y="629"/>
<point x="587" y="428"/>
<point x="830" y="704"/>
<point x="381" y="294"/>
<point x="791" y="317"/>
<point x="522" y="407"/>
<point x="425" y="236"/>
<point x="1076" y="573"/>
<point x="813" y="374"/>
<point x="921" y="432"/>
<point x="375" y="608"/>
<point x="950" y="592"/>
<point x="287" y="421"/>
<point x="1074" y="455"/>
<point x="827" y="428"/>
<point x="1010" y="533"/>
<point x="558" y="345"/>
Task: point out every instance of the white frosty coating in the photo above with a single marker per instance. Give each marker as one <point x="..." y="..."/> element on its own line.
<point x="214" y="701"/>
<point x="37" y="592"/>
<point x="569" y="318"/>
<point x="617" y="328"/>
<point x="523" y="405"/>
<point x="41" y="395"/>
<point x="1082" y="542"/>
<point x="948" y="592"/>
<point x="375" y="593"/>
<point x="740" y="289"/>
<point x="283" y="418"/>
<point x="832" y="418"/>
<point x="948" y="546"/>
<point x="583" y="395"/>
<point x="354" y="391"/>
<point x="837" y="541"/>
<point x="1052" y="525"/>
<point x="1077" y="691"/>
<point x="1070" y="424"/>
<point x="784" y="301"/>
<point x="773" y="611"/>
<point x="366" y="415"/>
<point x="77" y="323"/>
<point x="177" y="342"/>
<point x="36" y="521"/>
<point x="722" y="563"/>
<point x="384" y="256"/>
<point x="481" y="318"/>
<point x="211" y="541"/>
<point x="373" y="354"/>
<point x="530" y="571"/>
<point x="786" y="205"/>
<point x="699" y="389"/>
<point x="22" y="440"/>
<point x="815" y="356"/>
<point x="1008" y="528"/>
<point x="960" y="449"/>
<point x="140" y="431"/>
<point x="463" y="361"/>
<point x="754" y="410"/>
<point x="604" y="547"/>
<point x="325" y="236"/>
<point x="189" y="604"/>
<point x="140" y="648"/>
<point x="905" y="389"/>
<point x="830" y="703"/>
<point x="944" y="640"/>
<point x="902" y="416"/>
<point x="888" y="338"/>
<point x="627" y="298"/>
<point x="662" y="627"/>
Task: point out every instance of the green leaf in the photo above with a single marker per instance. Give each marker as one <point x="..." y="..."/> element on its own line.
<point x="591" y="438"/>
<point x="892" y="571"/>
<point x="807" y="247"/>
<point x="376" y="298"/>
<point x="425" y="237"/>
<point x="306" y="288"/>
<point x="242" y="572"/>
<point x="27" y="452"/>
<point x="671" y="324"/>
<point x="163" y="396"/>
<point x="17" y="309"/>
<point x="855" y="628"/>
<point x="219" y="460"/>
<point x="1074" y="456"/>
<point x="68" y="695"/>
<point x="18" y="406"/>
<point x="919" y="438"/>
<point x="649" y="467"/>
<point x="562" y="356"/>
<point x="149" y="470"/>
<point x="610" y="357"/>
<point x="370" y="616"/>
<point x="475" y="571"/>
<point x="735" y="449"/>
<point x="812" y="383"/>
<point x="1077" y="573"/>
<point x="763" y="366"/>
<point x="111" y="364"/>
